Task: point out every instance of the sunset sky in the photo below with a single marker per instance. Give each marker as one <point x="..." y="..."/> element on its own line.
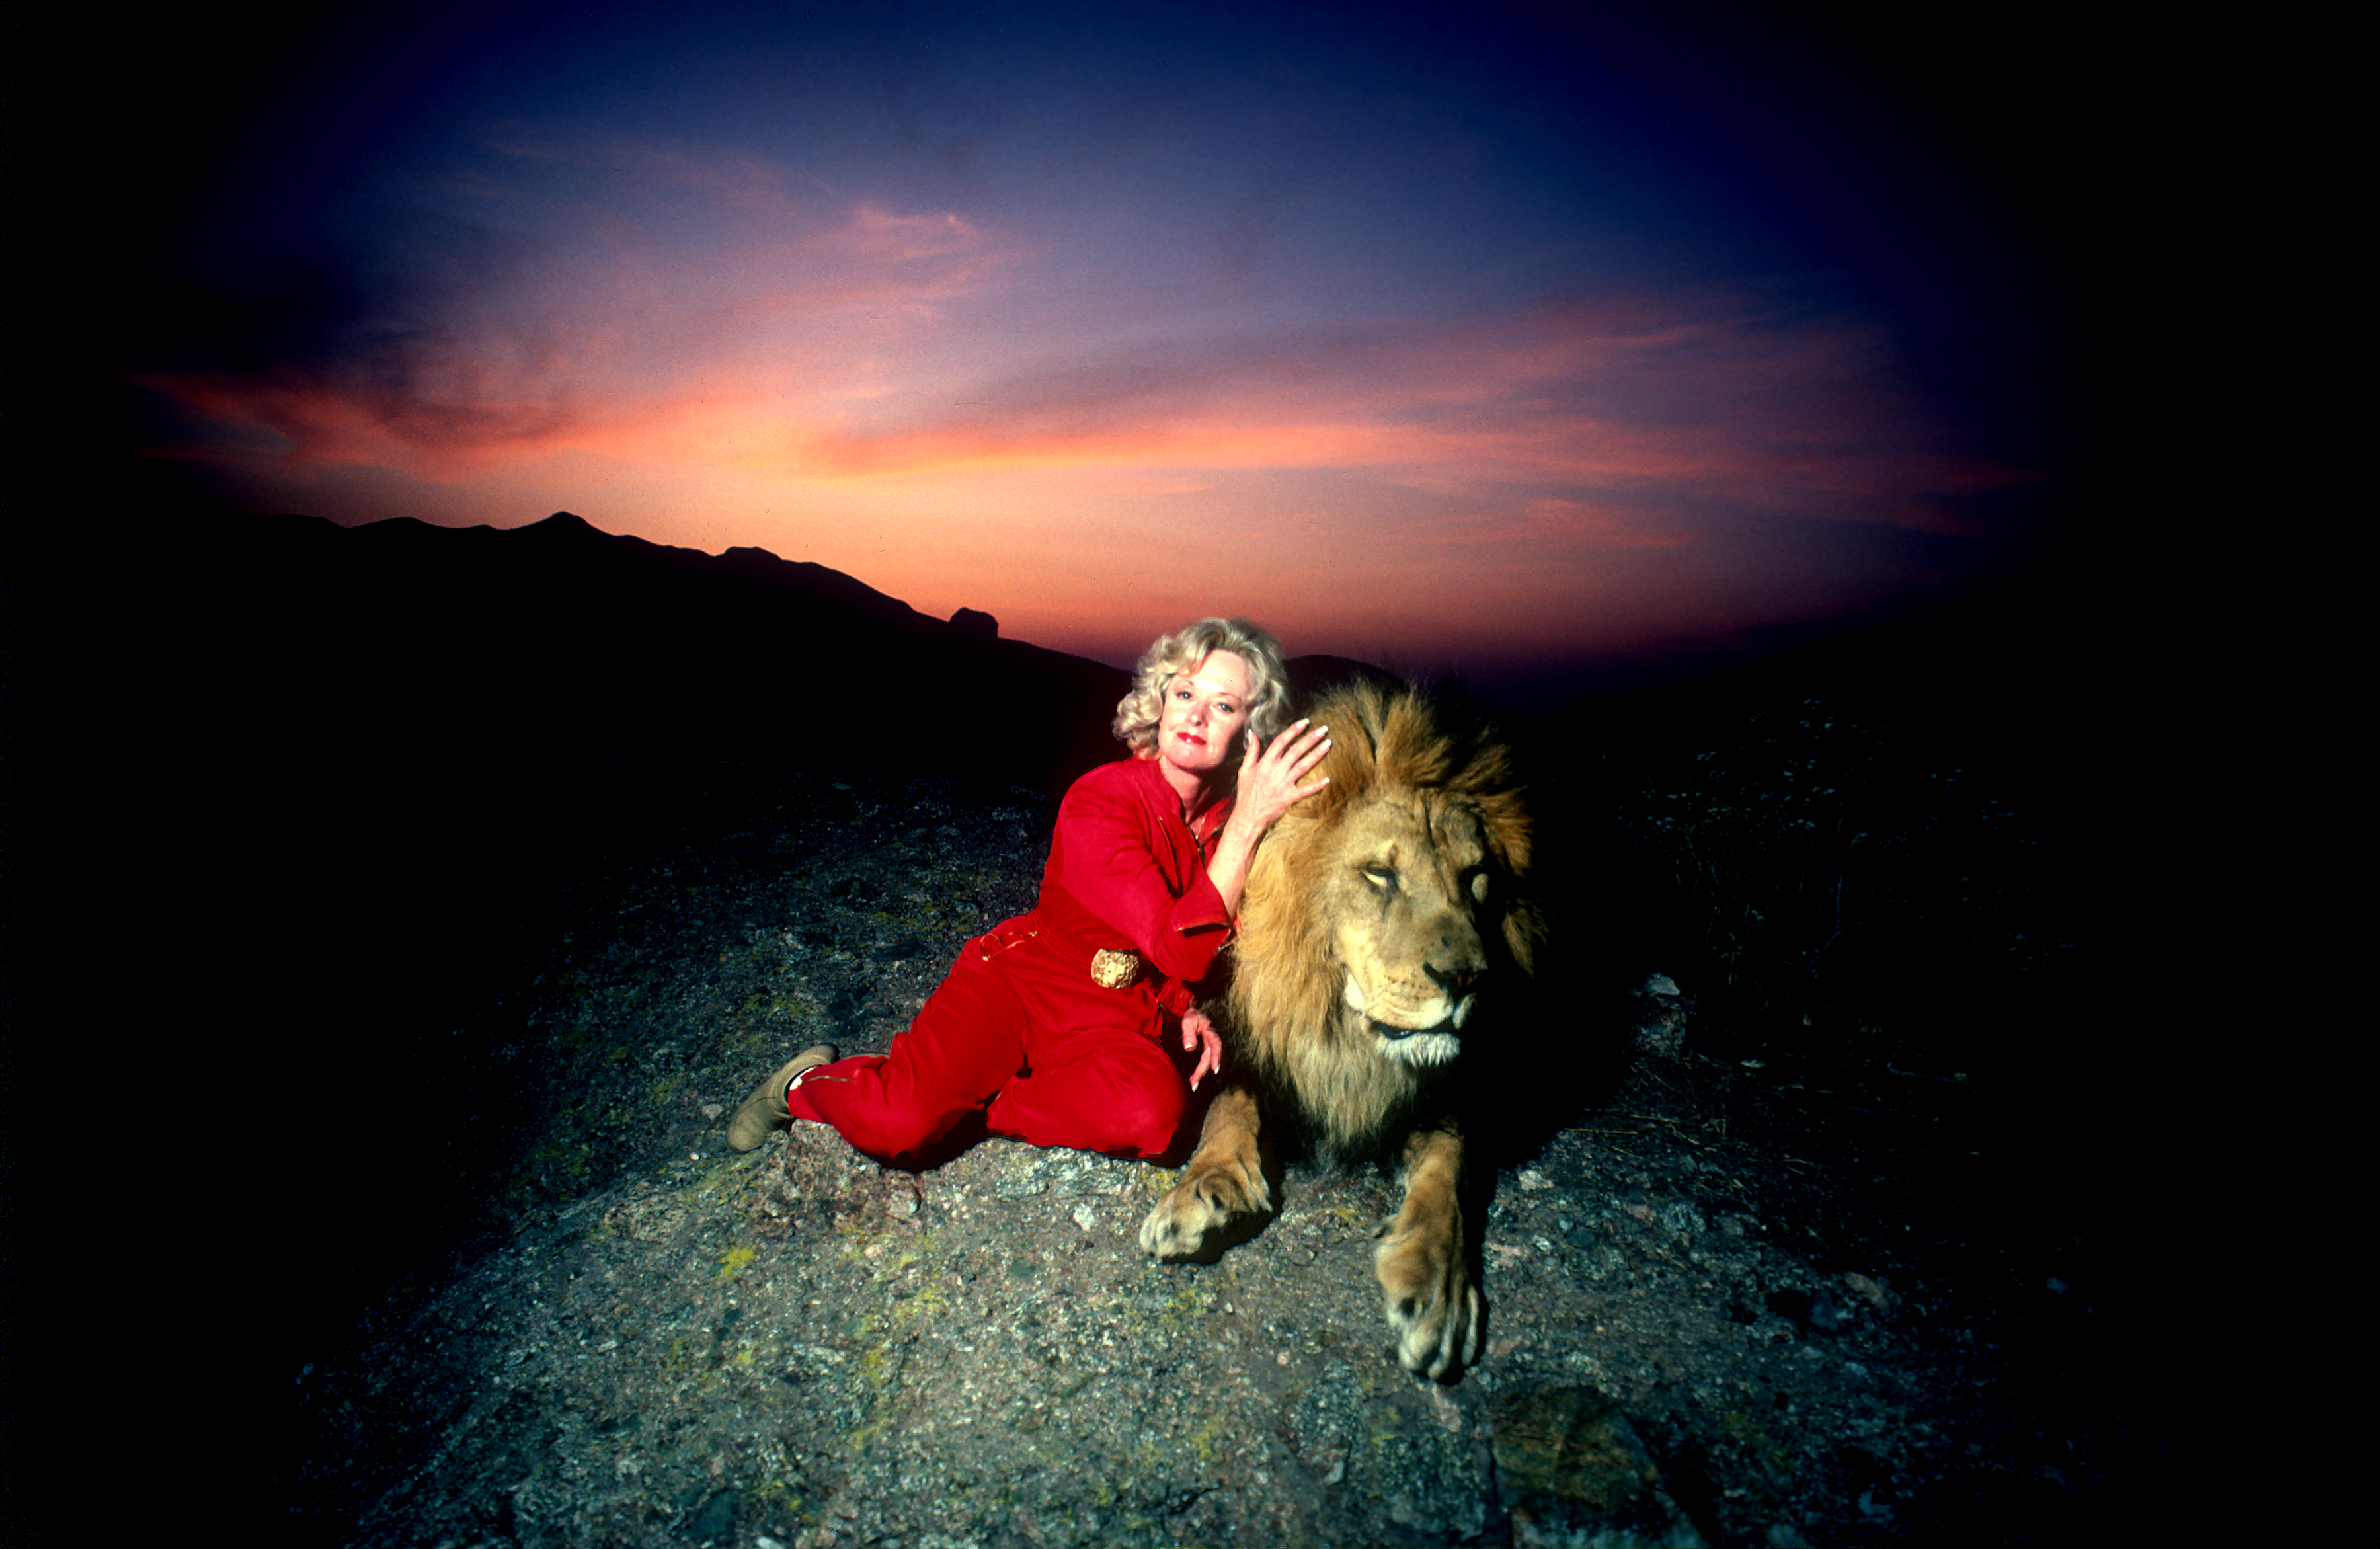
<point x="1448" y="337"/>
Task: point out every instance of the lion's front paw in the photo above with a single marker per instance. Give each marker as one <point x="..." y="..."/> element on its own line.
<point x="1432" y="1304"/>
<point x="1197" y="1215"/>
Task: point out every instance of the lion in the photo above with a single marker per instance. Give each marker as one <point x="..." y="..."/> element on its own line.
<point x="1384" y="924"/>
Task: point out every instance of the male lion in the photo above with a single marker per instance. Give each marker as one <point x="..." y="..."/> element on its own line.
<point x="1383" y="919"/>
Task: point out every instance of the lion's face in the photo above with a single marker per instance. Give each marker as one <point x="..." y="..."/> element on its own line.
<point x="1405" y="898"/>
<point x="1383" y="919"/>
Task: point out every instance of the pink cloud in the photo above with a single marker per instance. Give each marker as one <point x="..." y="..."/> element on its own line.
<point x="612" y="345"/>
<point x="791" y="336"/>
<point x="1574" y="407"/>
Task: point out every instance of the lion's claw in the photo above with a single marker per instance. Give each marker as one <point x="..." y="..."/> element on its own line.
<point x="1198" y="1211"/>
<point x="1432" y="1306"/>
<point x="1175" y="1228"/>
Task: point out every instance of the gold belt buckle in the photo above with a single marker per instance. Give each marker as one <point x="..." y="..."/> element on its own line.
<point x="1112" y="969"/>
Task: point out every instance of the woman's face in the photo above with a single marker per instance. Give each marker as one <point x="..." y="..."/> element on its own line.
<point x="1204" y="714"/>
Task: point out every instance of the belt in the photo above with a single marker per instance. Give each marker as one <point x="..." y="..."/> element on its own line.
<point x="1115" y="969"/>
<point x="1112" y="967"/>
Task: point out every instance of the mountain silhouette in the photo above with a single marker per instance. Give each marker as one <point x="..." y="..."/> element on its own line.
<point x="403" y="656"/>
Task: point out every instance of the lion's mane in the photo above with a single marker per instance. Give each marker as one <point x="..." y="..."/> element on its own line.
<point x="1284" y="1003"/>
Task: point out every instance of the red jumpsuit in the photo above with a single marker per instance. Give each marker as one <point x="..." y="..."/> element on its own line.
<point x="1020" y="1032"/>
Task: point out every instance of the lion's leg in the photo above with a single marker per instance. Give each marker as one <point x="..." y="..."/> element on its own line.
<point x="1223" y="1187"/>
<point x="1424" y="1262"/>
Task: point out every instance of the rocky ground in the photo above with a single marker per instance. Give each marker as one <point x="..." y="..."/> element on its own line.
<point x="1735" y="1298"/>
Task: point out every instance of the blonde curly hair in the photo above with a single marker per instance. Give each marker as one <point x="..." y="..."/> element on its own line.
<point x="1136" y="717"/>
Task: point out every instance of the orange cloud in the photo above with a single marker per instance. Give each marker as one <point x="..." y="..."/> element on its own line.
<point x="1792" y="416"/>
<point x="786" y="343"/>
<point x="619" y="350"/>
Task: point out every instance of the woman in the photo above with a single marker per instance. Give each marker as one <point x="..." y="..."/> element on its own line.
<point x="1051" y="1026"/>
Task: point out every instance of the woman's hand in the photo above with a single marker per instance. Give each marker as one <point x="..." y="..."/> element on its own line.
<point x="1272" y="778"/>
<point x="1199" y="1033"/>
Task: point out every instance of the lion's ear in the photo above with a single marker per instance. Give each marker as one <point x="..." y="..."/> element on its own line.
<point x="1508" y="830"/>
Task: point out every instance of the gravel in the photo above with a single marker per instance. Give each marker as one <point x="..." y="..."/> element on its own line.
<point x="1728" y="1305"/>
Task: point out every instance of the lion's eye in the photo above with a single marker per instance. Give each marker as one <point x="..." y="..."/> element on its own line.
<point x="1380" y="876"/>
<point x="1478" y="886"/>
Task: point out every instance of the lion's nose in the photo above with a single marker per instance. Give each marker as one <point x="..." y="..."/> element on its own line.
<point x="1456" y="961"/>
<point x="1454" y="981"/>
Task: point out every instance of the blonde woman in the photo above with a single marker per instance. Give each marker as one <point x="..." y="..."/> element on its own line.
<point x="1057" y="1027"/>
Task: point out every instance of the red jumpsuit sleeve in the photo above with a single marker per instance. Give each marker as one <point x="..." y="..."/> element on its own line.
<point x="1175" y="997"/>
<point x="1110" y="862"/>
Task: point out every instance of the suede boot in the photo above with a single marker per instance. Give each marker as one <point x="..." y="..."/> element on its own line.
<point x="765" y="1109"/>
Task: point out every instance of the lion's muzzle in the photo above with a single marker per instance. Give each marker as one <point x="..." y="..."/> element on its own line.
<point x="1425" y="1031"/>
<point x="1429" y="1047"/>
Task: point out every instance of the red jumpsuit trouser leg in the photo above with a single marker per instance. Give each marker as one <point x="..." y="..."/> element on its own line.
<point x="1025" y="1037"/>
